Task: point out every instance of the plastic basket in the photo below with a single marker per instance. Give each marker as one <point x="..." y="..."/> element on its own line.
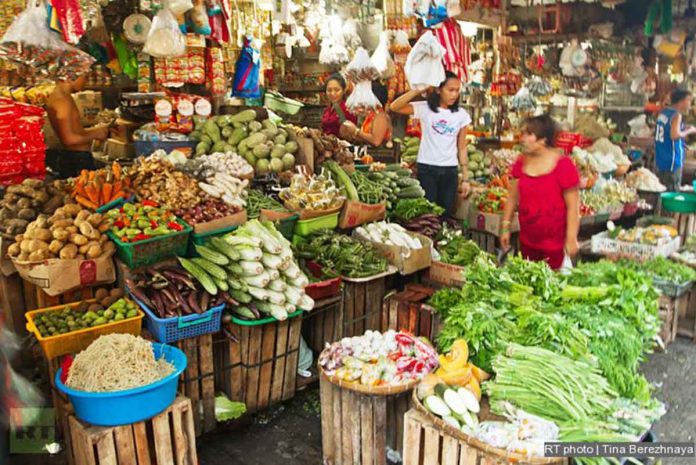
<point x="145" y="148"/>
<point x="603" y="244"/>
<point x="679" y="202"/>
<point x="132" y="405"/>
<point x="286" y="226"/>
<point x="307" y="227"/>
<point x="75" y="341"/>
<point x="153" y="250"/>
<point x="174" y="329"/>
<point x="322" y="289"/>
<point x="201" y="238"/>
<point x="671" y="289"/>
<point x="116" y="203"/>
<point x="263" y="321"/>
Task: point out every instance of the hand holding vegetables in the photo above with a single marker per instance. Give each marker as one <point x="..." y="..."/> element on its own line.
<point x="70" y="233"/>
<point x="141" y="221"/>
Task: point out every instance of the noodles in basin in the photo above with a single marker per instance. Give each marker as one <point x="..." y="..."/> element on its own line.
<point x="116" y="362"/>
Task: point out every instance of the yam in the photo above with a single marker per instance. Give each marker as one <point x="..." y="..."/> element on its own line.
<point x="101" y="293"/>
<point x="68" y="252"/>
<point x="53" y="203"/>
<point x="78" y="239"/>
<point x="14" y="250"/>
<point x="56" y="246"/>
<point x="117" y="292"/>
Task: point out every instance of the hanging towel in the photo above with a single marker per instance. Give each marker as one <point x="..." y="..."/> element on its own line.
<point x="457" y="57"/>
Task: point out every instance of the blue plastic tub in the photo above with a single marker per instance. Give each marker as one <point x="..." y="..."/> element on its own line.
<point x="168" y="330"/>
<point x="132" y="405"/>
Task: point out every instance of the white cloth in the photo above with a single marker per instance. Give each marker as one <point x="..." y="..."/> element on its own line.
<point x="440" y="130"/>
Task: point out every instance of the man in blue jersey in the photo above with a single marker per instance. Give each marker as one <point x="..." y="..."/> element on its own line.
<point x="670" y="133"/>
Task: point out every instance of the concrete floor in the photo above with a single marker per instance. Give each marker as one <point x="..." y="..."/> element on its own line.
<point x="291" y="434"/>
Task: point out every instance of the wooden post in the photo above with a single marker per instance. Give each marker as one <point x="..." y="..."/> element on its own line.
<point x="322" y="325"/>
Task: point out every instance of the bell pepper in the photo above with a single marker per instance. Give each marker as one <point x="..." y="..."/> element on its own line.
<point x="141" y="237"/>
<point x="142" y="224"/>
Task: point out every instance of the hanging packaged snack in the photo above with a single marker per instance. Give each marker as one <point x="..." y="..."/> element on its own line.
<point x="217" y="81"/>
<point x="202" y="110"/>
<point x="164" y="113"/>
<point x="144" y="72"/>
<point x="196" y="65"/>
<point x="184" y="109"/>
<point x="361" y="72"/>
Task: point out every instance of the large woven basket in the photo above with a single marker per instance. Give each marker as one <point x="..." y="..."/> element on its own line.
<point x="496" y="453"/>
<point x="369" y="390"/>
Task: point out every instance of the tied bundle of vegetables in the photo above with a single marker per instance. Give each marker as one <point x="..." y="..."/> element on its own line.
<point x="456" y="250"/>
<point x="255" y="264"/>
<point x="171" y="291"/>
<point x="341" y="255"/>
<point x="140" y="221"/>
<point x="389" y="234"/>
<point x="92" y="189"/>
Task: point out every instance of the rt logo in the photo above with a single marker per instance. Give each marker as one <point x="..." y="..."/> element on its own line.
<point x="31" y="429"/>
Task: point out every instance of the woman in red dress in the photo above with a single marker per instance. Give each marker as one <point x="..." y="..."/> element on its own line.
<point x="545" y="191"/>
<point x="336" y="112"/>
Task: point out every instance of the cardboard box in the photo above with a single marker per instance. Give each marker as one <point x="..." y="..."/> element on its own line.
<point x="305" y="152"/>
<point x="444" y="273"/>
<point x="491" y="222"/>
<point x="270" y="215"/>
<point x="405" y="260"/>
<point x="221" y="223"/>
<point x="123" y="130"/>
<point x="57" y="276"/>
<point x="89" y="104"/>
<point x="357" y="213"/>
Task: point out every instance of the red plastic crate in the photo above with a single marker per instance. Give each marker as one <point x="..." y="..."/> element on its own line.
<point x="323" y="289"/>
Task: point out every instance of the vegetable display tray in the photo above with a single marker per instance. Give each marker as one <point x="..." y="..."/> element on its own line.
<point x="307" y="227"/>
<point x="75" y="341"/>
<point x="671" y="289"/>
<point x="153" y="250"/>
<point x="603" y="244"/>
<point x="132" y="405"/>
<point x="168" y="330"/>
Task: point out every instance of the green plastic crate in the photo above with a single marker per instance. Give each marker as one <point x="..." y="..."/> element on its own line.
<point x="679" y="202"/>
<point x="201" y="238"/>
<point x="286" y="226"/>
<point x="153" y="250"/>
<point x="307" y="227"/>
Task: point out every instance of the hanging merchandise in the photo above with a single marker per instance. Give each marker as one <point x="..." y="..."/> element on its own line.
<point x="662" y="10"/>
<point x="165" y="38"/>
<point x="136" y="28"/>
<point x="539" y="87"/>
<point x="126" y="57"/>
<point x="179" y="7"/>
<point x="523" y="101"/>
<point x="219" y="15"/>
<point x="573" y="59"/>
<point x="246" y="73"/>
<point x="30" y="42"/>
<point x="198" y="21"/>
<point x="361" y="72"/>
<point x="70" y="16"/>
<point x="215" y="69"/>
<point x="381" y="57"/>
<point x="400" y="48"/>
<point x="457" y="54"/>
<point x="424" y="63"/>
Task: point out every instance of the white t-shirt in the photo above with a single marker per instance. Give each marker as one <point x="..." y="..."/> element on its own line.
<point x="440" y="130"/>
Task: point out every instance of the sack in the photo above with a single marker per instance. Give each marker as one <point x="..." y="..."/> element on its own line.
<point x="246" y="73"/>
<point x="165" y="39"/>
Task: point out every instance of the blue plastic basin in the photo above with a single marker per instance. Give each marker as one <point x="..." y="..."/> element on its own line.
<point x="132" y="405"/>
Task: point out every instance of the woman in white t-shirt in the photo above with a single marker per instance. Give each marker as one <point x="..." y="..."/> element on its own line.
<point x="443" y="143"/>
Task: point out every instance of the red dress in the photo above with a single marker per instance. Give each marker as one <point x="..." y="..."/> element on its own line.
<point x="331" y="123"/>
<point x="542" y="210"/>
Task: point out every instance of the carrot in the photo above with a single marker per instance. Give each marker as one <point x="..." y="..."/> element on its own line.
<point x="116" y="190"/>
<point x="107" y="190"/>
<point x="116" y="168"/>
<point x="85" y="202"/>
<point x="92" y="193"/>
<point x="79" y="188"/>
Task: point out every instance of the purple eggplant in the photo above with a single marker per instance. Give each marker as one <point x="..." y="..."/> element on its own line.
<point x="192" y="300"/>
<point x="204" y="301"/>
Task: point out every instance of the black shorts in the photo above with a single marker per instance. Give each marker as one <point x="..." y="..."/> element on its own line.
<point x="68" y="163"/>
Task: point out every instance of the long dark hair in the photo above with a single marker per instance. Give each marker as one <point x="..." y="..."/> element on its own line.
<point x="380" y="92"/>
<point x="434" y="97"/>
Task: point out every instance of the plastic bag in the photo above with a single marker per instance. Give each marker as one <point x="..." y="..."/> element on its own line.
<point x="306" y="359"/>
<point x="165" y="39"/>
<point x="424" y="63"/>
<point x="361" y="71"/>
<point x="30" y="42"/>
<point x="381" y="57"/>
<point x="179" y="7"/>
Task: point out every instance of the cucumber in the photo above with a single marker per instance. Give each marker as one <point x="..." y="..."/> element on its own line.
<point x="201" y="276"/>
<point x="393" y="167"/>
<point x="407" y="182"/>
<point x="244" y="312"/>
<point x="211" y="268"/>
<point x="212" y="255"/>
<point x="222" y="284"/>
<point x="413" y="192"/>
<point x="437" y="406"/>
<point x="240" y="296"/>
<point x="452" y="421"/>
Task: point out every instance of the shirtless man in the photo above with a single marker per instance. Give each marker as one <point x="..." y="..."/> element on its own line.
<point x="64" y="116"/>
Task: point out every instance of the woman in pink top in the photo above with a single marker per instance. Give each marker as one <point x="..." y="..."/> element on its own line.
<point x="545" y="191"/>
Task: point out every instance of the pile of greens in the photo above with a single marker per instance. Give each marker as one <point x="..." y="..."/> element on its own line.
<point x="667" y="270"/>
<point x="408" y="209"/>
<point x="456" y="250"/>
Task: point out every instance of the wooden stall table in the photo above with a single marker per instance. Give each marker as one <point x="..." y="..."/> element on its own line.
<point x="359" y="423"/>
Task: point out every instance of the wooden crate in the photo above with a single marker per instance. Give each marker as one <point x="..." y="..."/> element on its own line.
<point x="670" y="310"/>
<point x="407" y="311"/>
<point x="198" y="381"/>
<point x="322" y="325"/>
<point x="426" y="444"/>
<point x="686" y="315"/>
<point x="685" y="224"/>
<point x="357" y="428"/>
<point x="259" y="368"/>
<point x="168" y="438"/>
<point x="362" y="306"/>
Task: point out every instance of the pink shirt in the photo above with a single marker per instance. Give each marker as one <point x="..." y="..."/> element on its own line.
<point x="542" y="208"/>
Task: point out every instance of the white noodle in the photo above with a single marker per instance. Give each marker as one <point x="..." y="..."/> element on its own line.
<point x="116" y="362"/>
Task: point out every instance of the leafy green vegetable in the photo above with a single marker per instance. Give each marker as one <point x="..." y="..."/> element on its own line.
<point x="408" y="209"/>
<point x="458" y="251"/>
<point x="667" y="270"/>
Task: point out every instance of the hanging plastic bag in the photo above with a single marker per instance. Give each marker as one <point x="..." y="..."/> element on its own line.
<point x="424" y="63"/>
<point x="165" y="39"/>
<point x="30" y="42"/>
<point x="246" y="73"/>
<point x="179" y="7"/>
<point x="361" y="72"/>
<point x="381" y="57"/>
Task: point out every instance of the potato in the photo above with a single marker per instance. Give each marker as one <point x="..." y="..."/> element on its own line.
<point x="103" y="238"/>
<point x="82" y="216"/>
<point x="62" y="223"/>
<point x="72" y="229"/>
<point x="68" y="252"/>
<point x="117" y="292"/>
<point x="73" y="209"/>
<point x="55" y="246"/>
<point x="41" y="222"/>
<point x="26" y="214"/>
<point x="101" y="293"/>
<point x="84" y="248"/>
<point x="14" y="250"/>
<point x="88" y="231"/>
<point x="108" y="248"/>
<point x="104" y="226"/>
<point x="61" y="234"/>
<point x="38" y="255"/>
<point x="25" y="245"/>
<point x="43" y="234"/>
<point x="94" y="219"/>
<point x="58" y="216"/>
<point x="78" y="239"/>
<point x="30" y="232"/>
<point x="94" y="251"/>
<point x="23" y="257"/>
<point x="36" y="244"/>
<point x="19" y="238"/>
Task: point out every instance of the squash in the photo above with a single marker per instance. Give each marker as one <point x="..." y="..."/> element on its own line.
<point x="427" y="385"/>
<point x="457" y="357"/>
<point x="474" y="387"/>
<point x="458" y="378"/>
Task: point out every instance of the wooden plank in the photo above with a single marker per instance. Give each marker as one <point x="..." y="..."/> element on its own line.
<point x="180" y="445"/>
<point x="413" y="317"/>
<point x="292" y="358"/>
<point x="355" y="426"/>
<point x="338" y="425"/>
<point x="367" y="428"/>
<point x="142" y="446"/>
<point x="235" y="380"/>
<point x="327" y="430"/>
<point x="252" y="374"/>
<point x="205" y="351"/>
<point x="431" y="448"/>
<point x="267" y="365"/>
<point x="163" y="439"/>
<point x="468" y="455"/>
<point x="191" y="385"/>
<point x="106" y="450"/>
<point x="393" y="316"/>
<point x="362" y="309"/>
<point x="412" y="438"/>
<point x="450" y="450"/>
<point x="29" y="292"/>
<point x="189" y="431"/>
<point x="125" y="445"/>
<point x="12" y="302"/>
<point x="425" y="324"/>
<point x="279" y="365"/>
<point x="349" y="309"/>
<point x="400" y="408"/>
<point x="86" y="293"/>
<point x="379" y="411"/>
<point x="347" y="413"/>
<point x="82" y="445"/>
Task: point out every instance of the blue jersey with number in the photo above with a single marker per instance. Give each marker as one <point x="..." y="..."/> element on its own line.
<point x="669" y="154"/>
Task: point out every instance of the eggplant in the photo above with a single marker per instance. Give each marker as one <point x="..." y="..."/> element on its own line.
<point x="183" y="305"/>
<point x="168" y="297"/>
<point x="138" y="293"/>
<point x="158" y="302"/>
<point x="204" y="301"/>
<point x="179" y="278"/>
<point x="193" y="302"/>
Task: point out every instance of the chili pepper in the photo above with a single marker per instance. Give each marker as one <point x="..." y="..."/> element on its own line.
<point x="141" y="237"/>
<point x="175" y="226"/>
<point x="403" y="339"/>
<point x="120" y="224"/>
<point x="149" y="203"/>
<point x="153" y="224"/>
<point x="418" y="367"/>
<point x="394" y="356"/>
<point x="406" y="364"/>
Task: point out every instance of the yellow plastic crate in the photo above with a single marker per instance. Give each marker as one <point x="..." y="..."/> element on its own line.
<point x="73" y="342"/>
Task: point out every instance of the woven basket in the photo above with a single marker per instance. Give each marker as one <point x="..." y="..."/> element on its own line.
<point x="369" y="390"/>
<point x="485" y="448"/>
